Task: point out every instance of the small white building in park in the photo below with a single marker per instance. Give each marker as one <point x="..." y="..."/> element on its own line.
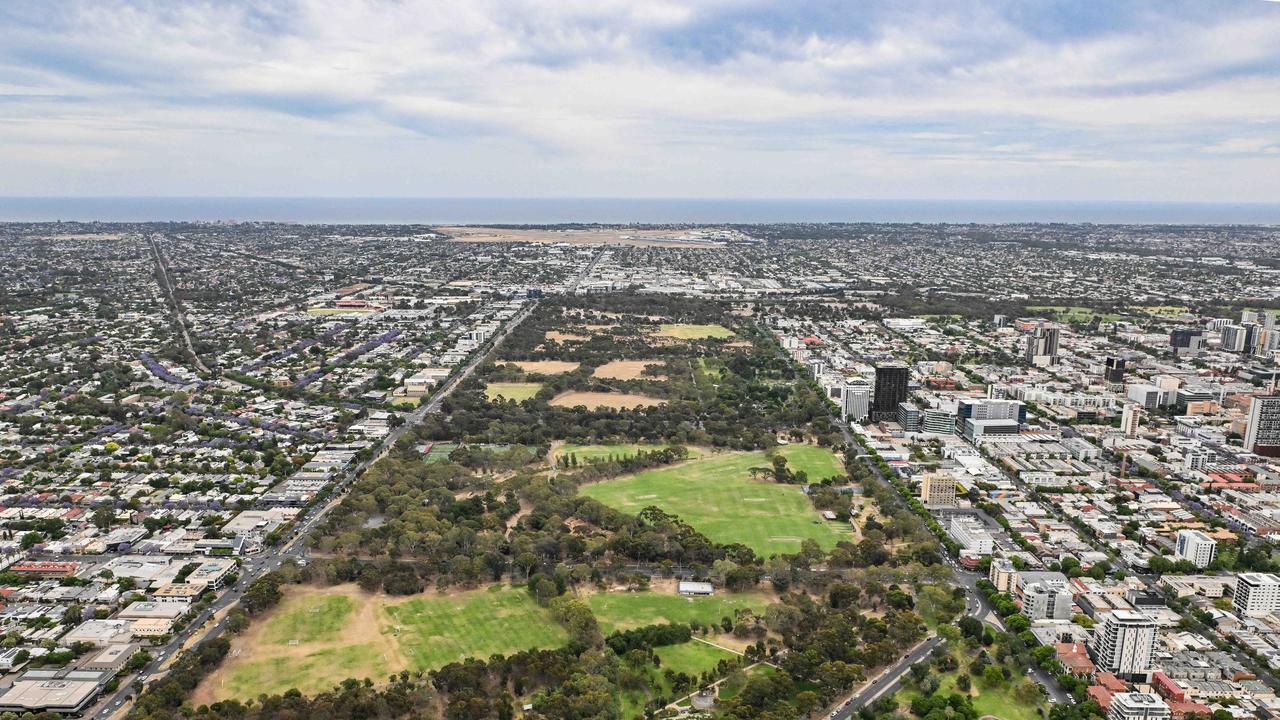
<point x="695" y="588"/>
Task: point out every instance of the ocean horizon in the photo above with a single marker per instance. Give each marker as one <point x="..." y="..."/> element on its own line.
<point x="474" y="211"/>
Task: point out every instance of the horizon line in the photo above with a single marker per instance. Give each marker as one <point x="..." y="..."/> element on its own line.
<point x="653" y="198"/>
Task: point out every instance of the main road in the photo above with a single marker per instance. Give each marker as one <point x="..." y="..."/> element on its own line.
<point x="211" y="620"/>
<point x="166" y="284"/>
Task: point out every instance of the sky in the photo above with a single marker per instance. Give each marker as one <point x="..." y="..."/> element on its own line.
<point x="1084" y="100"/>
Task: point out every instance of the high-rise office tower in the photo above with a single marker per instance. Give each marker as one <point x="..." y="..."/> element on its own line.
<point x="856" y="402"/>
<point x="889" y="391"/>
<point x="1115" y="370"/>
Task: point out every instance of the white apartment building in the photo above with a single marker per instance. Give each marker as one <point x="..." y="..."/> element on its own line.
<point x="1256" y="594"/>
<point x="1197" y="547"/>
<point x="1138" y="706"/>
<point x="1130" y="420"/>
<point x="1124" y="644"/>
<point x="1046" y="601"/>
<point x="1196" y="459"/>
<point x="972" y="536"/>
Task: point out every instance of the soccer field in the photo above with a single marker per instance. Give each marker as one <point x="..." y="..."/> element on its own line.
<point x="319" y="637"/>
<point x="694" y="332"/>
<point x="308" y="619"/>
<point x="717" y="495"/>
<point x="434" y="631"/>
<point x="512" y="390"/>
<point x="630" y="610"/>
<point x="587" y="453"/>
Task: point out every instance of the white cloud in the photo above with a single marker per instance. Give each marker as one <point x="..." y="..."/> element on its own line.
<point x="589" y="98"/>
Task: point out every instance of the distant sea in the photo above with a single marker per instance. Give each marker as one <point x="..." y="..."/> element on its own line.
<point x="621" y="210"/>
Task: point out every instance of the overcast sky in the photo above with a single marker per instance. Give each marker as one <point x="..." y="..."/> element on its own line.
<point x="1024" y="100"/>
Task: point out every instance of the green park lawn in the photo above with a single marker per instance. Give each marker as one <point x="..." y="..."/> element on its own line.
<point x="816" y="462"/>
<point x="1073" y="313"/>
<point x="1163" y="310"/>
<point x="315" y="640"/>
<point x="434" y="631"/>
<point x="717" y="495"/>
<point x="587" y="453"/>
<point x="693" y="658"/>
<point x="997" y="702"/>
<point x="629" y="610"/>
<point x="308" y="619"/>
<point x="311" y="673"/>
<point x="694" y="332"/>
<point x="516" y="391"/>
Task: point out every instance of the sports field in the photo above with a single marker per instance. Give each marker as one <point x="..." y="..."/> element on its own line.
<point x="511" y="390"/>
<point x="440" y="451"/>
<point x="598" y="400"/>
<point x="314" y="639"/>
<point x="718" y="496"/>
<point x="693" y="332"/>
<point x="1163" y="310"/>
<point x="628" y="610"/>
<point x="318" y="637"/>
<point x="818" y="463"/>
<point x="627" y="370"/>
<point x="434" y="631"/>
<point x="544" y="367"/>
<point x="587" y="453"/>
<point x="1074" y="313"/>
<point x="316" y="618"/>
